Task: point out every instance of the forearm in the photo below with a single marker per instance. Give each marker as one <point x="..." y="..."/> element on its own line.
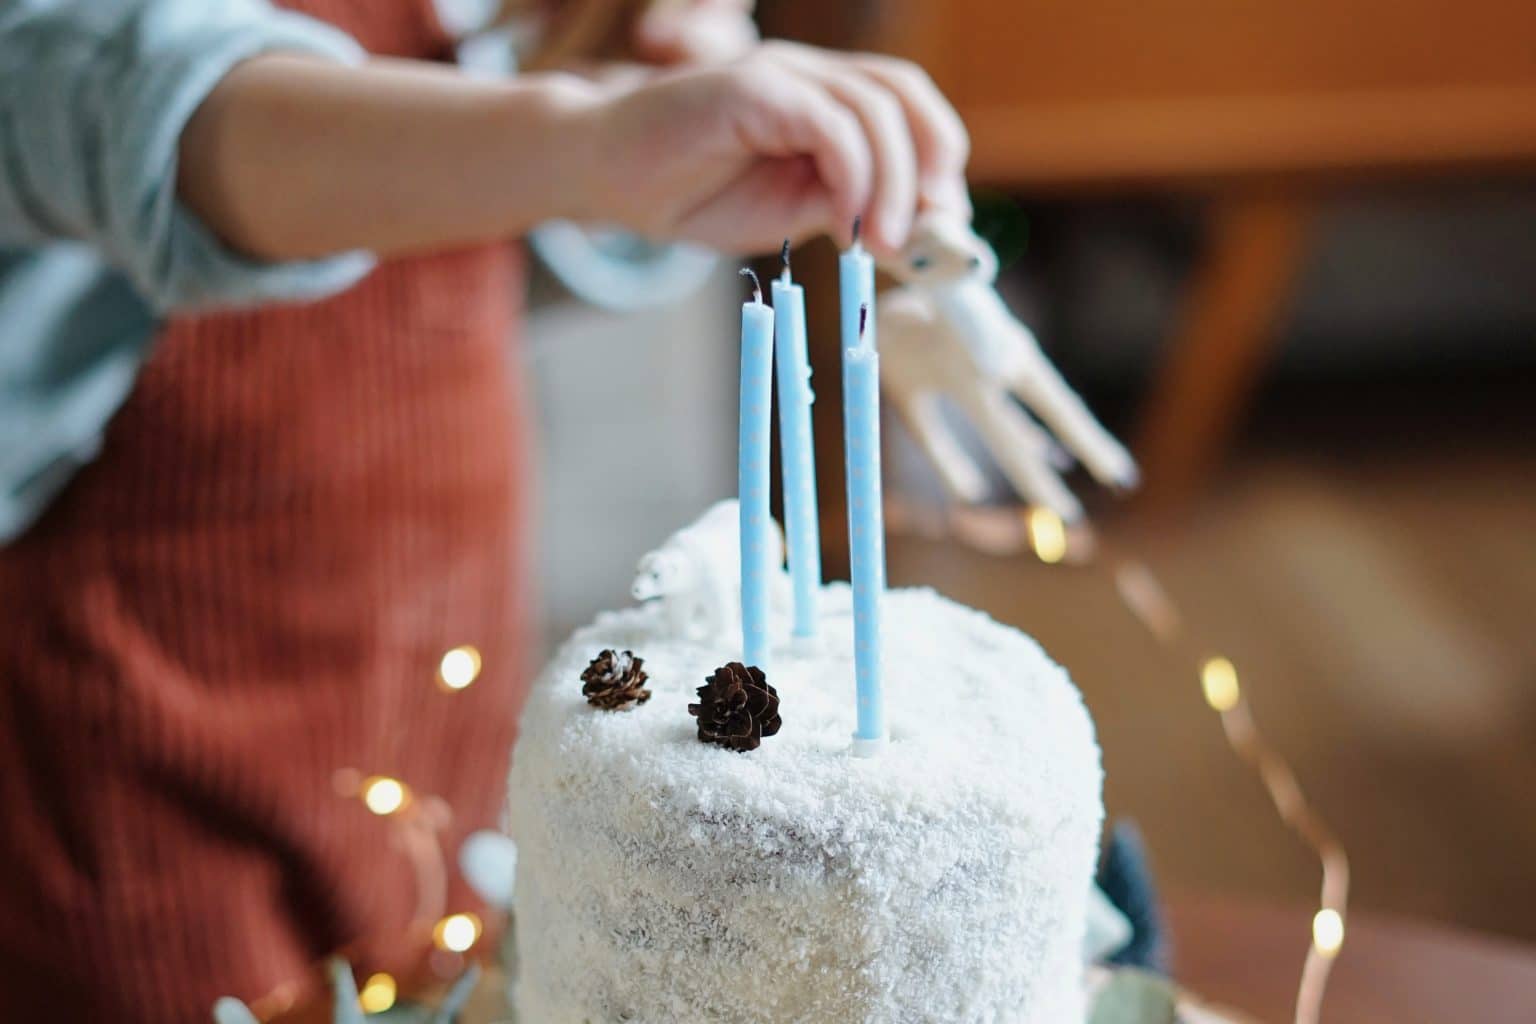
<point x="291" y="157"/>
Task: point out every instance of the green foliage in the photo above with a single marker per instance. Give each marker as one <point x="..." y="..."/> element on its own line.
<point x="1000" y="220"/>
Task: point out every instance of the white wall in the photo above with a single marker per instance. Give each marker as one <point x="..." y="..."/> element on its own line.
<point x="635" y="435"/>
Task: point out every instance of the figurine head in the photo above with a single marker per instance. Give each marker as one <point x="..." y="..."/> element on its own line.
<point x="942" y="249"/>
<point x="660" y="573"/>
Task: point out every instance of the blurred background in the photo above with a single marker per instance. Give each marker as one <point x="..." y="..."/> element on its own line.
<point x="1288" y="251"/>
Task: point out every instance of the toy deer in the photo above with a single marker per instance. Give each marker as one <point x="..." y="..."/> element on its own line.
<point x="947" y="336"/>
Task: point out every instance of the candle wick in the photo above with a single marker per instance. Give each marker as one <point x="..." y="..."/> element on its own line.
<point x="784" y="259"/>
<point x="757" y="287"/>
<point x="858" y="222"/>
<point x="863" y="320"/>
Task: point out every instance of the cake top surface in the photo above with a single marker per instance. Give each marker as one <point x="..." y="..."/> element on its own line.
<point x="982" y="722"/>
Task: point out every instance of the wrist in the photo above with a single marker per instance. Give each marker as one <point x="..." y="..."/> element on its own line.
<point x="550" y="127"/>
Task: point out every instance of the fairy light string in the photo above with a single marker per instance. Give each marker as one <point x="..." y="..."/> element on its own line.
<point x="415" y="823"/>
<point x="1144" y="596"/>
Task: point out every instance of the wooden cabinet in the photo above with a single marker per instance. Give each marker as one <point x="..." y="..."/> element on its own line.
<point x="1259" y="105"/>
<point x="1171" y="92"/>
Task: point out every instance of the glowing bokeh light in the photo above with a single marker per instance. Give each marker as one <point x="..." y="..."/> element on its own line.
<point x="1328" y="931"/>
<point x="1218" y="678"/>
<point x="384" y="795"/>
<point x="1047" y="535"/>
<point x="378" y="994"/>
<point x="457" y="932"/>
<point x="459" y="668"/>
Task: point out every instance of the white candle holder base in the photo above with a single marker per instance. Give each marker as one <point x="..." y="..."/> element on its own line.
<point x="868" y="748"/>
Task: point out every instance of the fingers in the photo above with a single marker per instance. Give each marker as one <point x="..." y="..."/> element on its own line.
<point x="802" y="119"/>
<point x="881" y="141"/>
<point x="775" y="199"/>
<point x="926" y="138"/>
<point x="883" y="119"/>
<point x="942" y="143"/>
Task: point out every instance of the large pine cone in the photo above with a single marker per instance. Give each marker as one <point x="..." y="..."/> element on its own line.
<point x="615" y="681"/>
<point x="737" y="707"/>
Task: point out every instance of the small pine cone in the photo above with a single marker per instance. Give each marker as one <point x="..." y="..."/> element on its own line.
<point x="615" y="681"/>
<point x="737" y="708"/>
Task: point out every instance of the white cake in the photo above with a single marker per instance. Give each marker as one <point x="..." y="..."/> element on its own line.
<point x="664" y="880"/>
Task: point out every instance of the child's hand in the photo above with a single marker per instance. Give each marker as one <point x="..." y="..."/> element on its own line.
<point x="788" y="141"/>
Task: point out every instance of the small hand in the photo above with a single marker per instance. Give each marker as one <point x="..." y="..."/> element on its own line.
<point x="786" y="141"/>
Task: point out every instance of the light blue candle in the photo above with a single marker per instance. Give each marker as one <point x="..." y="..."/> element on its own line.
<point x="796" y="448"/>
<point x="856" y="284"/>
<point x="866" y="528"/>
<point x="753" y="468"/>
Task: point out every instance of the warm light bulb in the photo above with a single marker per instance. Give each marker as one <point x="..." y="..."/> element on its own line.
<point x="1218" y="678"/>
<point x="459" y="667"/>
<point x="1328" y="931"/>
<point x="384" y="795"/>
<point x="1047" y="535"/>
<point x="378" y="994"/>
<point x="457" y="932"/>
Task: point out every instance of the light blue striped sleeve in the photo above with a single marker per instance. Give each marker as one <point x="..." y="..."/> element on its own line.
<point x="94" y="95"/>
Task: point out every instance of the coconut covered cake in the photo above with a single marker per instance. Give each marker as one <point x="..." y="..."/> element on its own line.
<point x="697" y="843"/>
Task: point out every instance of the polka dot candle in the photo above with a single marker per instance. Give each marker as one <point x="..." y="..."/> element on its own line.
<point x="866" y="529"/>
<point x="753" y="469"/>
<point x="796" y="448"/>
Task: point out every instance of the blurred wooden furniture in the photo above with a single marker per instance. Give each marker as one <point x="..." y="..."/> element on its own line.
<point x="1391" y="971"/>
<point x="1259" y="105"/>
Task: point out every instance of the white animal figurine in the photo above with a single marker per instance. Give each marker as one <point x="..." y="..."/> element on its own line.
<point x="945" y="334"/>
<point x="695" y="575"/>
